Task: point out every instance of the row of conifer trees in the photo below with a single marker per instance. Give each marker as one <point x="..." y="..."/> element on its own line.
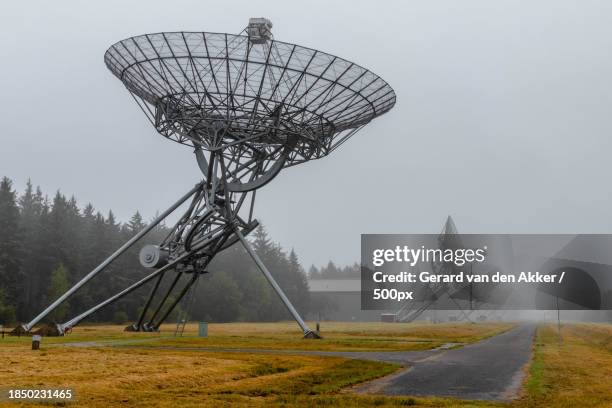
<point x="46" y="245"/>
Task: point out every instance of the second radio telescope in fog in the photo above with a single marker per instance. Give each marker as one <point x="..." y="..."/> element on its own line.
<point x="248" y="105"/>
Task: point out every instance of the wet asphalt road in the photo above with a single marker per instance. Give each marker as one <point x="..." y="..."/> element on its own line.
<point x="492" y="369"/>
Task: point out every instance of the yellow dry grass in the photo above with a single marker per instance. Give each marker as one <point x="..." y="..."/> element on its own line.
<point x="574" y="373"/>
<point x="337" y="336"/>
<point x="102" y="377"/>
<point x="574" y="370"/>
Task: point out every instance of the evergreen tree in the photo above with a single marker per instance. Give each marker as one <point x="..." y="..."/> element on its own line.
<point x="57" y="234"/>
<point x="330" y="271"/>
<point x="289" y="275"/>
<point x="10" y="245"/>
<point x="223" y="297"/>
<point x="110" y="220"/>
<point x="136" y="224"/>
<point x="7" y="312"/>
<point x="100" y="245"/>
<point x="30" y="206"/>
<point x="299" y="283"/>
<point x="89" y="257"/>
<point x="256" y="295"/>
<point x="43" y="257"/>
<point x="261" y="243"/>
<point x="313" y="272"/>
<point x="58" y="285"/>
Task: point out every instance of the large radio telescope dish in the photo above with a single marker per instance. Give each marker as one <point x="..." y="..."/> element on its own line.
<point x="249" y="106"/>
<point x="264" y="104"/>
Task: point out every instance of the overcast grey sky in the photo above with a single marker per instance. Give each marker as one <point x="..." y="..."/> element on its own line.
<point x="502" y="120"/>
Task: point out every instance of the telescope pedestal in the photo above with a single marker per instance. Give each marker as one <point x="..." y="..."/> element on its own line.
<point x="210" y="225"/>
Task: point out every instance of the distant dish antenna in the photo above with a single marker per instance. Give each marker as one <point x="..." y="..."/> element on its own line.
<point x="248" y="106"/>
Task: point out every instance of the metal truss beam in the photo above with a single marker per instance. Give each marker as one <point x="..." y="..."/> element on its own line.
<point x="111" y="258"/>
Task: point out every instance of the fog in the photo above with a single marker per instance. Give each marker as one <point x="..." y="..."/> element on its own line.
<point x="502" y="120"/>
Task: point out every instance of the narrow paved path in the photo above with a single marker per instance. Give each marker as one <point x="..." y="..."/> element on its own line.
<point x="492" y="369"/>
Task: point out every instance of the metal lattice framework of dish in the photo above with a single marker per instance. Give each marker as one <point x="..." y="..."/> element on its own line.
<point x="264" y="104"/>
<point x="249" y="106"/>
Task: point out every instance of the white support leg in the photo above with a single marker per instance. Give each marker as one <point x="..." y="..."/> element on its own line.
<point x="307" y="332"/>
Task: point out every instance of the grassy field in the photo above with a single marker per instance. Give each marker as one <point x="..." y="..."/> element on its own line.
<point x="286" y="335"/>
<point x="574" y="370"/>
<point x="337" y="336"/>
<point x="573" y="373"/>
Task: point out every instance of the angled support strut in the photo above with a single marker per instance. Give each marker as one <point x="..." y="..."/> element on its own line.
<point x="75" y="320"/>
<point x="307" y="332"/>
<point x="111" y="258"/>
